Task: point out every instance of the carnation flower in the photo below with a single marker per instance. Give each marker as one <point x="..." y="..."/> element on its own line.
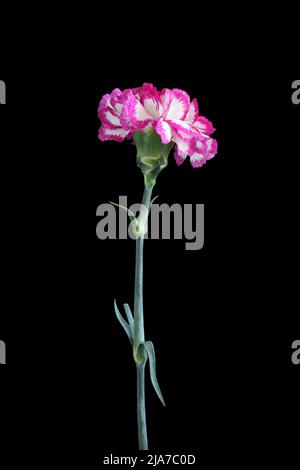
<point x="171" y="113"/>
<point x="157" y="121"/>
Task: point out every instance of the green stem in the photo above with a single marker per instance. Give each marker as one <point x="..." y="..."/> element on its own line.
<point x="141" y="407"/>
<point x="139" y="333"/>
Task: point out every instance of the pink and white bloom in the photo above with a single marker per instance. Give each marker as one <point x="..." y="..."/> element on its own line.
<point x="170" y="112"/>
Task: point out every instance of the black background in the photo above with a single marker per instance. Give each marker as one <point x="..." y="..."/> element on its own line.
<point x="222" y="319"/>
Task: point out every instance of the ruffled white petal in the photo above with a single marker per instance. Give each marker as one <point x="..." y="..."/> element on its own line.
<point x="105" y="133"/>
<point x="152" y="108"/>
<point x="164" y="130"/>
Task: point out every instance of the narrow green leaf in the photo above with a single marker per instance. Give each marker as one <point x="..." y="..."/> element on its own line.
<point x="123" y="323"/>
<point x="152" y="362"/>
<point x="129" y="318"/>
<point x="154" y="199"/>
<point x="131" y="215"/>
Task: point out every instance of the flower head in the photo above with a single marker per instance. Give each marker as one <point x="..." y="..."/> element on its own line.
<point x="171" y="113"/>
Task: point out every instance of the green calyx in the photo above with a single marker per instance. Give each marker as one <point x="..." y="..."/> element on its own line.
<point x="152" y="155"/>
